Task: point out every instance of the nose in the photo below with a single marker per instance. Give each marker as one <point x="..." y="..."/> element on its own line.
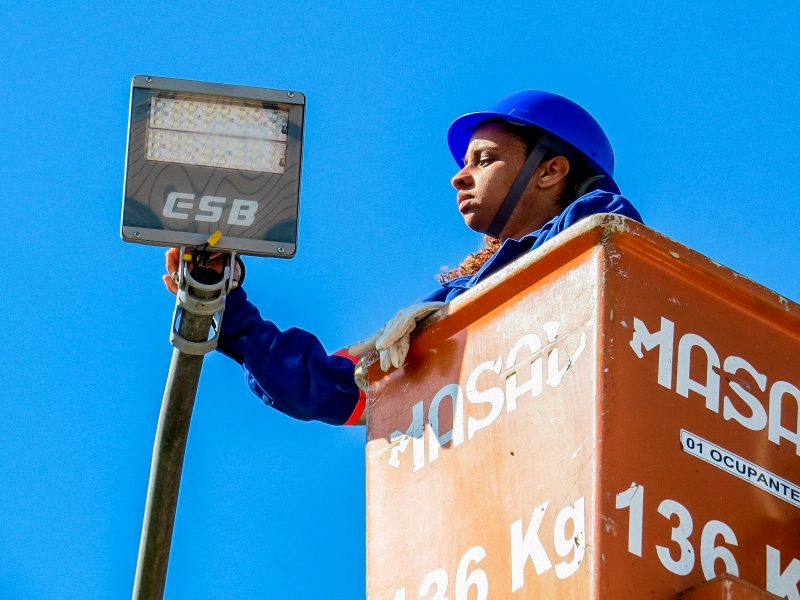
<point x="462" y="180"/>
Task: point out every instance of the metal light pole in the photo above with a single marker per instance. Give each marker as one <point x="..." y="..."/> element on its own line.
<point x="195" y="309"/>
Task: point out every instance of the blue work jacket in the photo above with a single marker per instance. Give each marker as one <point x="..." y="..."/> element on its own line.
<point x="291" y="371"/>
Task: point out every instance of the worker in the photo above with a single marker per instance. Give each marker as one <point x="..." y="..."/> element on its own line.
<point x="531" y="166"/>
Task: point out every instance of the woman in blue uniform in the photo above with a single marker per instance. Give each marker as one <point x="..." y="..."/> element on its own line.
<point x="531" y="166"/>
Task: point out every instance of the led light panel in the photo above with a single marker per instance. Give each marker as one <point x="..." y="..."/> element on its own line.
<point x="217" y="134"/>
<point x="207" y="150"/>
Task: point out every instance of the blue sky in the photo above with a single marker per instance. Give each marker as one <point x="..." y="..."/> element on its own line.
<point x="699" y="99"/>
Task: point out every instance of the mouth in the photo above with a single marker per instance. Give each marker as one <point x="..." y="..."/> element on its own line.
<point x="463" y="200"/>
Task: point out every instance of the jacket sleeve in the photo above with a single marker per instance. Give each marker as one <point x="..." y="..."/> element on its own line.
<point x="290" y="370"/>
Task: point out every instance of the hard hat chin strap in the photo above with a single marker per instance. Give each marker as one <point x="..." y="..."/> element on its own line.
<point x="518" y="187"/>
<point x="586" y="185"/>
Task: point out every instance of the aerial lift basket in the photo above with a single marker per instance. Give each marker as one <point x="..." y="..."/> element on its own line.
<point x="612" y="416"/>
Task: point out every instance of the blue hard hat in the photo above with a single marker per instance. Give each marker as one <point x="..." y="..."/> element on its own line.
<point x="552" y="113"/>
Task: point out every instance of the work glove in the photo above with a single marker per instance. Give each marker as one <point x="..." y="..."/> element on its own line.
<point x="393" y="340"/>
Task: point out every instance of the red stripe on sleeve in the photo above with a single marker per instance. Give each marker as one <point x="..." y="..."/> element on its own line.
<point x="362" y="397"/>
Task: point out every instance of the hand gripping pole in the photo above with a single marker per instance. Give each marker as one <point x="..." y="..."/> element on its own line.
<point x="198" y="310"/>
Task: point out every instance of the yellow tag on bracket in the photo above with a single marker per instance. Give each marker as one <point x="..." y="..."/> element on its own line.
<point x="215" y="238"/>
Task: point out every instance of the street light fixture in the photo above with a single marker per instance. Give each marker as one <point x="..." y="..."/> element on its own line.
<point x="206" y="158"/>
<point x="215" y="170"/>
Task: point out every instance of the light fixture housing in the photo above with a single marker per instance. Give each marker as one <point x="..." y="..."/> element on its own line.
<point x="207" y="157"/>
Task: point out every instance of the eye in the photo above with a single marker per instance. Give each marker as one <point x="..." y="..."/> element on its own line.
<point x="485" y="159"/>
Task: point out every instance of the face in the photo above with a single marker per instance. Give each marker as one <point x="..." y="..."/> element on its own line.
<point x="493" y="159"/>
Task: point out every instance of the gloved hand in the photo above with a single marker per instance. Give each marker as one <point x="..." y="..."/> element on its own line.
<point x="393" y="340"/>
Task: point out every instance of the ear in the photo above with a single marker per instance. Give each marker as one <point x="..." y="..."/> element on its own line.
<point x="552" y="172"/>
